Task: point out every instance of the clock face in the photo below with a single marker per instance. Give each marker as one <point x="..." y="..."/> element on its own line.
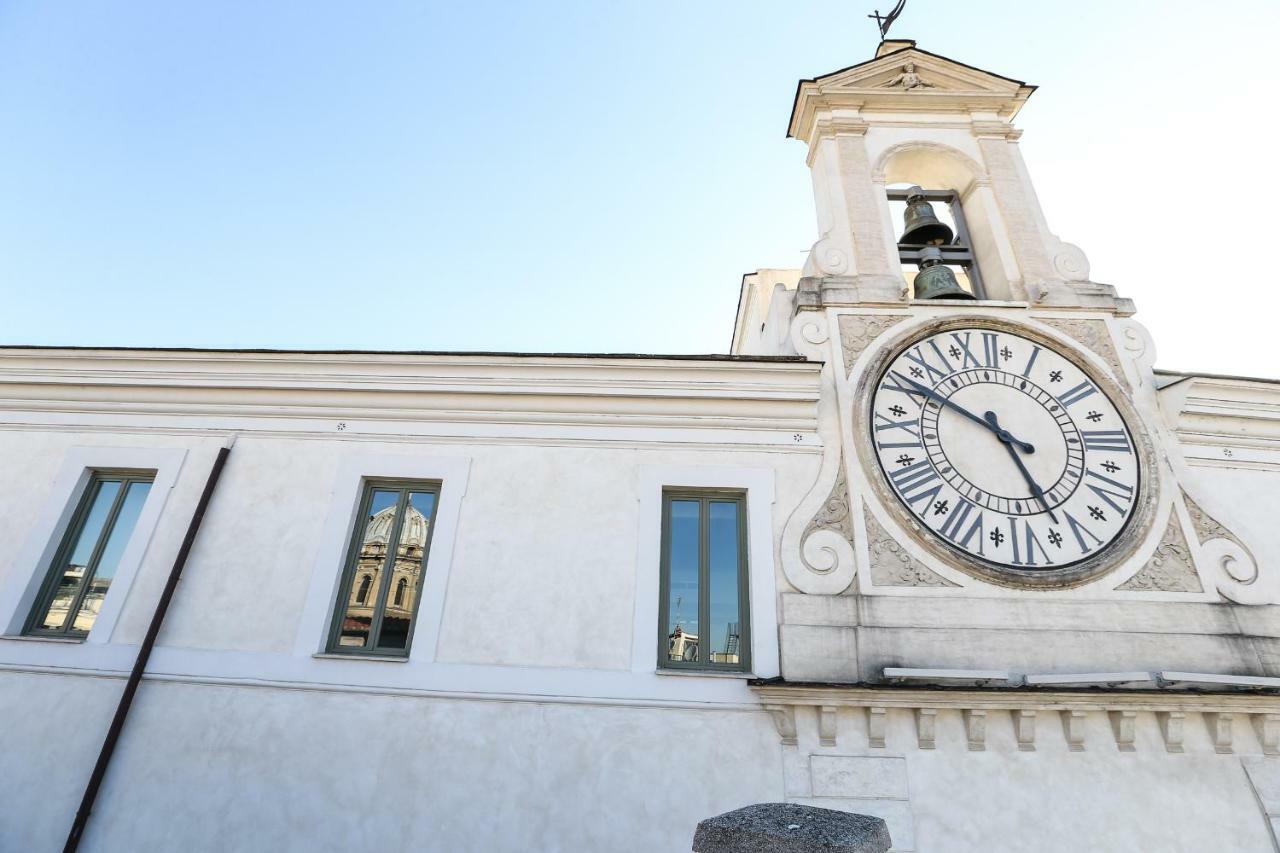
<point x="1004" y="449"/>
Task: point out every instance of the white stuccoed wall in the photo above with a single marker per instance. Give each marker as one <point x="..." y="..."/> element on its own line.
<point x="534" y="721"/>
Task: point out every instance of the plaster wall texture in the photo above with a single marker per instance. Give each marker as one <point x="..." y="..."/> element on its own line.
<point x="213" y="768"/>
<point x="1005" y="800"/>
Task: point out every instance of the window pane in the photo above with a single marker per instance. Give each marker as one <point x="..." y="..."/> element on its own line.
<point x="362" y="596"/>
<point x="406" y="572"/>
<point x="682" y="584"/>
<point x="126" y="518"/>
<point x="724" y="640"/>
<point x="72" y="572"/>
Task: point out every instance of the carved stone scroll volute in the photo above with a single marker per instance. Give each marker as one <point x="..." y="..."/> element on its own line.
<point x="1230" y="564"/>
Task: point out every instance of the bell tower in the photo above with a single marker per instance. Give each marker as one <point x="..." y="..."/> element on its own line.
<point x="910" y="118"/>
<point x="935" y="267"/>
<point x="1017" y="531"/>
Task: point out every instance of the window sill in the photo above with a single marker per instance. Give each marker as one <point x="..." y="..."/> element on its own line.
<point x="705" y="673"/>
<point x="379" y="658"/>
<point x="37" y="638"/>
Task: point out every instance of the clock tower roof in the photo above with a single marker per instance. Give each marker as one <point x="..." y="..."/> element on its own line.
<point x="932" y="84"/>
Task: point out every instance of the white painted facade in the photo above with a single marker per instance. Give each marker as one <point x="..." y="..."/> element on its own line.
<point x="531" y="712"/>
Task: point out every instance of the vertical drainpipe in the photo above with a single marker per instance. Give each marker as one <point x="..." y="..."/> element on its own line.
<point x="144" y="654"/>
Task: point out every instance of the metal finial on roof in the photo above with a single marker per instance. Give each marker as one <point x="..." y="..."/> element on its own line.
<point x="886" y="21"/>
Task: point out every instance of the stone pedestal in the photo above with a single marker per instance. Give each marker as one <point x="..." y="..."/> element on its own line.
<point x="791" y="828"/>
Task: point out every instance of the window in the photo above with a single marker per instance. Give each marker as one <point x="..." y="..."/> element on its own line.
<point x="87" y="559"/>
<point x="703" y="612"/>
<point x="382" y="581"/>
<point x="957" y="254"/>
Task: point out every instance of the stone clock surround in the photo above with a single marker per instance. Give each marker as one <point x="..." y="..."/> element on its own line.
<point x="1163" y="598"/>
<point x="1146" y="498"/>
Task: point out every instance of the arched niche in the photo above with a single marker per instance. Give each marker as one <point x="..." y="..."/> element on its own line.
<point x="935" y="166"/>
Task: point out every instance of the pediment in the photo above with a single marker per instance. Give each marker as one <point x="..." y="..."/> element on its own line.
<point x="908" y="79"/>
<point x="937" y="72"/>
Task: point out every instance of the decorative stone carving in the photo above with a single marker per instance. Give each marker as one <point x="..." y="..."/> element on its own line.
<point x="909" y="79"/>
<point x="891" y="565"/>
<point x="975" y="729"/>
<point x="1207" y="527"/>
<point x="1139" y="347"/>
<point x="876" y="724"/>
<point x="817" y="542"/>
<point x="1024" y="728"/>
<point x="857" y="331"/>
<point x="1071" y="263"/>
<point x="1234" y="569"/>
<point x="1073" y="729"/>
<point x="828" y="725"/>
<point x="1170" y="569"/>
<point x="1171" y="728"/>
<point x="1093" y="335"/>
<point x="926" y="727"/>
<point x="784" y="720"/>
<point x="828" y="257"/>
<point x="835" y="513"/>
<point x="1122" y="726"/>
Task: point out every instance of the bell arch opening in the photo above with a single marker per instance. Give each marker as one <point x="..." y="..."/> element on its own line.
<point x="961" y="196"/>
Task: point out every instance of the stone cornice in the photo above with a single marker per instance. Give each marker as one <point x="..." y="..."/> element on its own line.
<point x="1031" y="714"/>
<point x="1225" y="421"/>
<point x="1018" y="699"/>
<point x="953" y="87"/>
<point x="772" y="395"/>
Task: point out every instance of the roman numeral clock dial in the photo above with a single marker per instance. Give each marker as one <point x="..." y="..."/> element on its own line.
<point x="1005" y="450"/>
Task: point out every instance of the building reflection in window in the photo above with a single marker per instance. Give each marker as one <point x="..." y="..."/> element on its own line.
<point x="90" y="555"/>
<point x="386" y="571"/>
<point x="704" y="581"/>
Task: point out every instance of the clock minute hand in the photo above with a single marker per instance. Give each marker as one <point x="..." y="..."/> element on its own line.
<point x="1001" y="434"/>
<point x="1009" y="441"/>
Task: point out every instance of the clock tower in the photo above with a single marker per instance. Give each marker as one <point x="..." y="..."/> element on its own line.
<point x="1007" y="514"/>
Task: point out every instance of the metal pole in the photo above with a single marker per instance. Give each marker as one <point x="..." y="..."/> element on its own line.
<point x="144" y="654"/>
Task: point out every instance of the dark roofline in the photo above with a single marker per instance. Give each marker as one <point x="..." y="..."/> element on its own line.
<point x="796" y="100"/>
<point x="774" y="359"/>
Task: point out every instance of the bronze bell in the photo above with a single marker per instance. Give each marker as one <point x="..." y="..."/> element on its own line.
<point x="936" y="281"/>
<point x="923" y="225"/>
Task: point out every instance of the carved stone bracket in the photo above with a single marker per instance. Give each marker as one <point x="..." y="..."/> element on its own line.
<point x="835" y="513"/>
<point x="1170" y="569"/>
<point x="857" y="331"/>
<point x="891" y="565"/>
<point x="822" y="561"/>
<point x="1125" y="713"/>
<point x="1094" y="336"/>
<point x="1232" y="567"/>
<point x="816" y="550"/>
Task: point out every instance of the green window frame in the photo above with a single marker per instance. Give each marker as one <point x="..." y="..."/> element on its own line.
<point x="97" y="536"/>
<point x="720" y="555"/>
<point x="377" y="574"/>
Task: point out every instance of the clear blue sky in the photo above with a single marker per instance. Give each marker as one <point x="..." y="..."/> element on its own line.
<point x="575" y="176"/>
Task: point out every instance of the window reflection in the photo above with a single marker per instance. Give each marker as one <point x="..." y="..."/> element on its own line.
<point x="684" y="523"/>
<point x="704" y="573"/>
<point x="387" y="571"/>
<point x="722" y="560"/>
<point x="90" y="555"/>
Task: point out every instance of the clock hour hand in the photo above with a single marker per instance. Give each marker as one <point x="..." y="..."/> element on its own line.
<point x="925" y="390"/>
<point x="1009" y="441"/>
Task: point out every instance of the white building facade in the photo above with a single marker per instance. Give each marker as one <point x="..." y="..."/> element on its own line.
<point x="501" y="602"/>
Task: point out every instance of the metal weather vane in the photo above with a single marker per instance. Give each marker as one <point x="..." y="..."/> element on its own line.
<point x="886" y="21"/>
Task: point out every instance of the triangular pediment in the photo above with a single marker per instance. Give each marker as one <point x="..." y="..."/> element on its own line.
<point x="908" y="79"/>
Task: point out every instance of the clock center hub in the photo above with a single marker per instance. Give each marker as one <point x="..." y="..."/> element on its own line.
<point x="977" y="463"/>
